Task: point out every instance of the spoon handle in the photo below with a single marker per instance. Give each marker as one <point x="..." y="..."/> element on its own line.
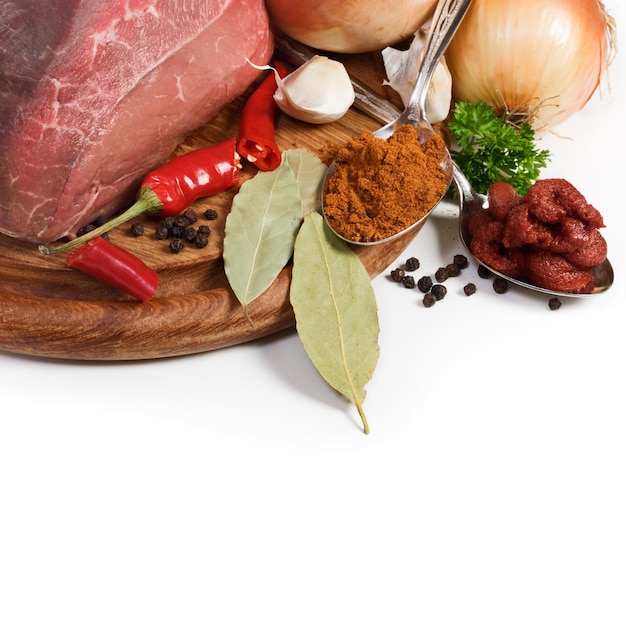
<point x="445" y="21"/>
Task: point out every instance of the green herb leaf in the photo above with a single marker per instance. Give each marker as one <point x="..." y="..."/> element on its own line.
<point x="260" y="231"/>
<point x="335" y="309"/>
<point x="492" y="150"/>
<point x="310" y="172"/>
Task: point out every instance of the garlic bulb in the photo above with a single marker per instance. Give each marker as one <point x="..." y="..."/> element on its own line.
<point x="402" y="66"/>
<point x="318" y="92"/>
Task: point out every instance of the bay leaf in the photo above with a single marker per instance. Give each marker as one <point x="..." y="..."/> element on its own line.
<point x="310" y="173"/>
<point x="260" y="231"/>
<point x="335" y="309"/>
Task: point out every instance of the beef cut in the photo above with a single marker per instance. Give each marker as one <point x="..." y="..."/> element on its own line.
<point x="95" y="94"/>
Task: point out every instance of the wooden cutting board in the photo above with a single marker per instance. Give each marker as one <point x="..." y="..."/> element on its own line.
<point x="49" y="310"/>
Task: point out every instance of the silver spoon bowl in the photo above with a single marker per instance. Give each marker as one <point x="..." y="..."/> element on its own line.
<point x="445" y="22"/>
<point x="470" y="202"/>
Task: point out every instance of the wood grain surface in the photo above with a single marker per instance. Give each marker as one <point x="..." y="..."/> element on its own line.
<point x="51" y="311"/>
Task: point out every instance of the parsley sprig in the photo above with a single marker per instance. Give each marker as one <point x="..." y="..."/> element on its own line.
<point x="491" y="150"/>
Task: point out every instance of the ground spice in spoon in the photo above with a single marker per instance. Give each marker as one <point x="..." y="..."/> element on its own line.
<point x="381" y="187"/>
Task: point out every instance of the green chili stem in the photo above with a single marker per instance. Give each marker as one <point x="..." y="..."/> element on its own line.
<point x="147" y="202"/>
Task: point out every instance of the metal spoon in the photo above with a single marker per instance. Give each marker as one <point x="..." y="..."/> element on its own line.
<point x="471" y="201"/>
<point x="446" y="19"/>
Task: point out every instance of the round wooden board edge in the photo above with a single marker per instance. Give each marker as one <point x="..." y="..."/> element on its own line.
<point x="123" y="330"/>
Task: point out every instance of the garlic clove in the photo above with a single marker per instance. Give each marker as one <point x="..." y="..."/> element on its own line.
<point x="318" y="92"/>
<point x="402" y="66"/>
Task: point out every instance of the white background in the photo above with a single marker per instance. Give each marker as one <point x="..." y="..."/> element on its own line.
<point x="236" y="487"/>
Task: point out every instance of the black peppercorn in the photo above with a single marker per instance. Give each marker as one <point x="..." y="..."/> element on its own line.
<point x="483" y="272"/>
<point x="429" y="300"/>
<point x="167" y="222"/>
<point x="204" y="230"/>
<point x="176" y="245"/>
<point x="441" y="274"/>
<point x="469" y="289"/>
<point x="554" y="304"/>
<point x="408" y="282"/>
<point x="439" y="291"/>
<point x="191" y="215"/>
<point x="397" y="275"/>
<point x="461" y="261"/>
<point x="177" y="231"/>
<point x="452" y="269"/>
<point x="424" y="284"/>
<point x="500" y="285"/>
<point x="190" y="234"/>
<point x="202" y="241"/>
<point x="181" y="221"/>
<point x="210" y="214"/>
<point x="162" y="232"/>
<point x="85" y="229"/>
<point x="136" y="229"/>
<point x="412" y="264"/>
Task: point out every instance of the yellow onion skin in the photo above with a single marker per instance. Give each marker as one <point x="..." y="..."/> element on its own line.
<point x="543" y="57"/>
<point x="349" y="26"/>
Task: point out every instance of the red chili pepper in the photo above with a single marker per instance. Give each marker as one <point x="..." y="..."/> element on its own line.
<point x="194" y="175"/>
<point x="172" y="187"/>
<point x="115" y="266"/>
<point x="256" y="128"/>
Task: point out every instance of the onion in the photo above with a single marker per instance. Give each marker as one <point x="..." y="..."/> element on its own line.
<point x="537" y="61"/>
<point x="349" y="26"/>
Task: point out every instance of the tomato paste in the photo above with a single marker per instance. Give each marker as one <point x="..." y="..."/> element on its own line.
<point x="549" y="236"/>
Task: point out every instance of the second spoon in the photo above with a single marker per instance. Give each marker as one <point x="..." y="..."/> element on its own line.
<point x="445" y="22"/>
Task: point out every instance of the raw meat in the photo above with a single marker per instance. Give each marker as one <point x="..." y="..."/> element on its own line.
<point x="95" y="94"/>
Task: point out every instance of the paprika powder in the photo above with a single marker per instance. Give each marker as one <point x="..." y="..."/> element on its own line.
<point x="383" y="186"/>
